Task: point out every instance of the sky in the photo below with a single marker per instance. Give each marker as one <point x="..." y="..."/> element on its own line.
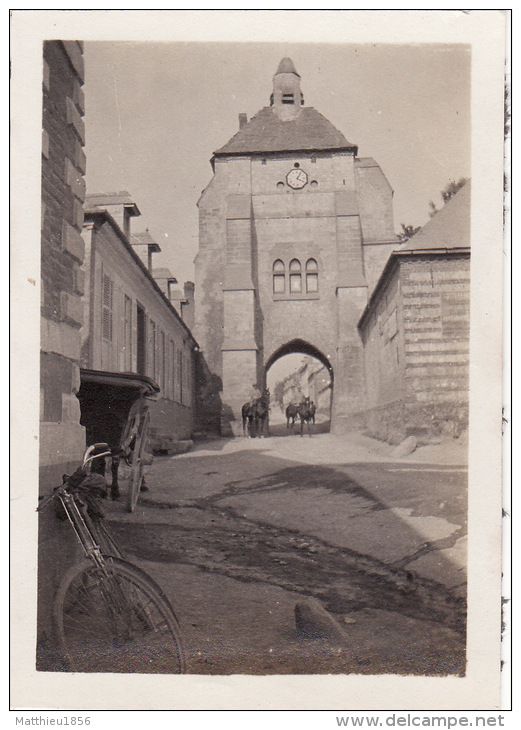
<point x="155" y="112"/>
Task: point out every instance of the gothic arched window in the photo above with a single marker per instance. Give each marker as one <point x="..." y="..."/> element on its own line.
<point x="295" y="277"/>
<point x="279" y="277"/>
<point x="311" y="276"/>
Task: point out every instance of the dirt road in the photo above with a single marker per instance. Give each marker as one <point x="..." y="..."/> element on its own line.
<point x="239" y="532"/>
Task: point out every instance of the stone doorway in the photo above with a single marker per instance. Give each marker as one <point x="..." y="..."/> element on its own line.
<point x="295" y="370"/>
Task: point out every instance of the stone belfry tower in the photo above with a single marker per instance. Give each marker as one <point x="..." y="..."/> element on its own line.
<point x="294" y="231"/>
<point x="287" y="97"/>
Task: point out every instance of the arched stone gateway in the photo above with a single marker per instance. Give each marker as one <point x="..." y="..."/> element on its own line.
<point x="314" y="378"/>
<point x="298" y="346"/>
<point x="294" y="231"/>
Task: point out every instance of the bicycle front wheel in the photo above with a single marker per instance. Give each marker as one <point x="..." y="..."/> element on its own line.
<point x="116" y="620"/>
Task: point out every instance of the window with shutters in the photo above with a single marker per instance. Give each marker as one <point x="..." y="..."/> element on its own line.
<point x="172" y="370"/>
<point x="180" y="375"/>
<point x="162" y="357"/>
<point x="107" y="297"/>
<point x="127" y="334"/>
<point x="153" y="353"/>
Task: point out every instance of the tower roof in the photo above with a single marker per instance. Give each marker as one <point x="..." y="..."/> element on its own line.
<point x="286" y="67"/>
<point x="266" y="132"/>
<point x="286" y="125"/>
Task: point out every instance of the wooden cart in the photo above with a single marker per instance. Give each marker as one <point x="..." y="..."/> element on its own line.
<point x="115" y="410"/>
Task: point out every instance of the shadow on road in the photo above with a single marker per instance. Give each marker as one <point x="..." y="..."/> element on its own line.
<point x="346" y="536"/>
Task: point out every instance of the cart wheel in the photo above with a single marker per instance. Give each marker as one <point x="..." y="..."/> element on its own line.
<point x="137" y="466"/>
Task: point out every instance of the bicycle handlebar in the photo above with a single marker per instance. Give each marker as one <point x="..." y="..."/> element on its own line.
<point x="46" y="501"/>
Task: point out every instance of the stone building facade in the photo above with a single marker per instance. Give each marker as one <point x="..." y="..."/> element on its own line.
<point x="294" y="232"/>
<point x="62" y="439"/>
<point x="415" y="331"/>
<point x="130" y="325"/>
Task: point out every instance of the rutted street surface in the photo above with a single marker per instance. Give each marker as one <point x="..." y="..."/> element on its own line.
<point x="239" y="532"/>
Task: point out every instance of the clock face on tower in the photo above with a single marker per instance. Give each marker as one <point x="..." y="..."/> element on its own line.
<point x="296" y="179"/>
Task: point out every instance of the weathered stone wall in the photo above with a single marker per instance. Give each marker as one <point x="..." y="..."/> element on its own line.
<point x="62" y="438"/>
<point x="250" y="217"/>
<point x="417" y="350"/>
<point x="436" y="317"/>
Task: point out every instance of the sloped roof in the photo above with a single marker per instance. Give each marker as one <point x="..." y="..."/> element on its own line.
<point x="366" y="162"/>
<point x="100" y="200"/>
<point x="163" y="273"/>
<point x="447" y="232"/>
<point x="265" y="132"/>
<point x="145" y="238"/>
<point x="448" y="229"/>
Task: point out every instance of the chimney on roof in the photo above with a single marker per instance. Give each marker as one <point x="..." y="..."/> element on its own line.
<point x="187" y="307"/>
<point x="243" y="120"/>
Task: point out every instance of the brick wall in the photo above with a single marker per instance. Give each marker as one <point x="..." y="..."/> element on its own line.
<point x="416" y="345"/>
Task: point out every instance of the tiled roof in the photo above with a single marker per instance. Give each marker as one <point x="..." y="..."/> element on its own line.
<point x="265" y="132"/>
<point x="448" y="229"/>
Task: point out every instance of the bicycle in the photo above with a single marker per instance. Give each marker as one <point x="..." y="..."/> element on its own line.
<point x="108" y="614"/>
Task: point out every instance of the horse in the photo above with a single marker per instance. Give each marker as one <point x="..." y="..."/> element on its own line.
<point x="247" y="414"/>
<point x="291" y="415"/>
<point x="261" y="414"/>
<point x="255" y="416"/>
<point x="306" y="412"/>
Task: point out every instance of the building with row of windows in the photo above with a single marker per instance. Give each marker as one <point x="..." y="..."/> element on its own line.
<point x="130" y="324"/>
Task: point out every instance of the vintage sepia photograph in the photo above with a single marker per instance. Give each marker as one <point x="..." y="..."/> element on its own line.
<point x="258" y="383"/>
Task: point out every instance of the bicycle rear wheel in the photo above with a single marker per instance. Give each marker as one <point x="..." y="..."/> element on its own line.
<point x="116" y="620"/>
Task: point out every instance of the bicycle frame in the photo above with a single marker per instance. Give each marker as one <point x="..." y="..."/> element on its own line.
<point x="80" y="526"/>
<point x="133" y="607"/>
<point x="81" y="523"/>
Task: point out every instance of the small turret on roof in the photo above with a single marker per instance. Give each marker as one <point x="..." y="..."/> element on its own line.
<point x="120" y="206"/>
<point x="105" y="200"/>
<point x="165" y="280"/>
<point x="145" y="238"/>
<point x="144" y="245"/>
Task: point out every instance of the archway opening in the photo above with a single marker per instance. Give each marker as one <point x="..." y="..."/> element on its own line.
<point x="295" y="371"/>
